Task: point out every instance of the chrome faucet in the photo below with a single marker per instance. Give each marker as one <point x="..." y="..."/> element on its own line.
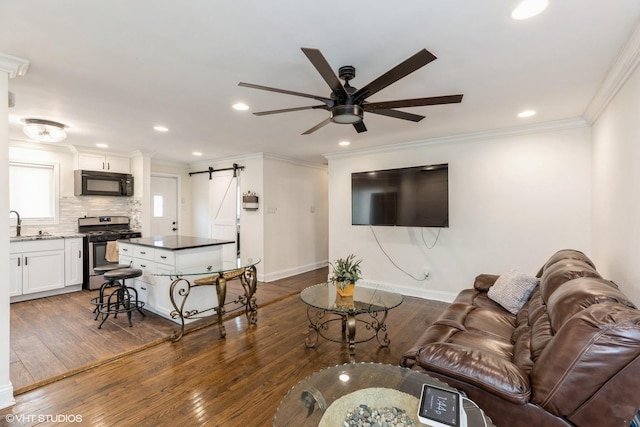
<point x="18" y="224"/>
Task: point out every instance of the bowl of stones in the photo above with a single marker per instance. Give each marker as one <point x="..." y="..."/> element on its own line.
<point x="373" y="406"/>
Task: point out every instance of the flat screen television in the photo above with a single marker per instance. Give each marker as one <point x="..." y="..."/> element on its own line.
<point x="410" y="197"/>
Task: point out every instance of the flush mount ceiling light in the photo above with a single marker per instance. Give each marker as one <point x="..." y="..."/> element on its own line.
<point x="529" y="8"/>
<point x="161" y="128"/>
<point x="240" y="106"/>
<point x="44" y="130"/>
<point x="526" y="113"/>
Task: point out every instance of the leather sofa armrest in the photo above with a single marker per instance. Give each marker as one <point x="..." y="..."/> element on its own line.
<point x="484" y="281"/>
<point x="479" y="368"/>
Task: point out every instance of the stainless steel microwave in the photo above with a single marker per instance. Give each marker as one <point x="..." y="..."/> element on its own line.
<point x="96" y="183"/>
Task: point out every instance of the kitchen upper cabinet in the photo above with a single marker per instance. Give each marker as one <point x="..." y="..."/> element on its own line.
<point x="98" y="162"/>
<point x="73" y="261"/>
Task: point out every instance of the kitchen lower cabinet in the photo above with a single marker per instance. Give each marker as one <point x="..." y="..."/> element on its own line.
<point x="38" y="265"/>
<point x="156" y="263"/>
<point x="15" y="274"/>
<point x="37" y="268"/>
<point x="73" y="261"/>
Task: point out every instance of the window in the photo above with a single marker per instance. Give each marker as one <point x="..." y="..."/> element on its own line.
<point x="158" y="206"/>
<point x="33" y="191"/>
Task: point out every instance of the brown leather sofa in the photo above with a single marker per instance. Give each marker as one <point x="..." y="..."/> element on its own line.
<point x="570" y="356"/>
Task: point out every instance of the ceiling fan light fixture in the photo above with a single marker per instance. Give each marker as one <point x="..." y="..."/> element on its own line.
<point x="44" y="130"/>
<point x="346" y="114"/>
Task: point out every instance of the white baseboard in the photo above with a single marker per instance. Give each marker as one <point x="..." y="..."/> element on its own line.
<point x="411" y="292"/>
<point x="277" y="275"/>
<point x="6" y="396"/>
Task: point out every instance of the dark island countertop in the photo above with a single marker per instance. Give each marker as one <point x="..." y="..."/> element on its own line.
<point x="176" y="243"/>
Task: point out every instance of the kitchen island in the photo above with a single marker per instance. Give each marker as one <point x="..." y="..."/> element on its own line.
<point x="159" y="258"/>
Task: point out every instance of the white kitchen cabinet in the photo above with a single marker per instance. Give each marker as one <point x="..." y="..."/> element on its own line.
<point x="44" y="267"/>
<point x="15" y="274"/>
<point x="157" y="263"/>
<point x="98" y="162"/>
<point x="73" y="256"/>
<point x="41" y="265"/>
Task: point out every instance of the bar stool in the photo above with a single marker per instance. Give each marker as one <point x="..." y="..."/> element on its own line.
<point x="99" y="271"/>
<point x="123" y="299"/>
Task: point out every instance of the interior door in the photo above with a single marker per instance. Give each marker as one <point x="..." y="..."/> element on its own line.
<point x="164" y="205"/>
<point x="223" y="210"/>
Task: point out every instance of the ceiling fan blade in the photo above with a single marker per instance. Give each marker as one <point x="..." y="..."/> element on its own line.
<point x="416" y="102"/>
<point x="318" y="126"/>
<point x="401" y="70"/>
<point x="397" y="114"/>
<point x="360" y="127"/>
<point x="320" y="63"/>
<point x="326" y="100"/>
<point x="288" y="110"/>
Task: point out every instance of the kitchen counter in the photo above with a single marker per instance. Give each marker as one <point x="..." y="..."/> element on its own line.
<point x="30" y="237"/>
<point x="177" y="243"/>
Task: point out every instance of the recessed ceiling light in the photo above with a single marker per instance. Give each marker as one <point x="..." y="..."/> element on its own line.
<point x="161" y="128"/>
<point x="240" y="106"/>
<point x="529" y="8"/>
<point x="197" y="153"/>
<point x="102" y="145"/>
<point x="526" y="113"/>
<point x="344" y="143"/>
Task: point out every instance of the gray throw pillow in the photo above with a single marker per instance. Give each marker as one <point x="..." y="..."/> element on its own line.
<point x="512" y="290"/>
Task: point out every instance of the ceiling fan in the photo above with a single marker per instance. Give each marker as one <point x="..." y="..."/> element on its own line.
<point x="347" y="104"/>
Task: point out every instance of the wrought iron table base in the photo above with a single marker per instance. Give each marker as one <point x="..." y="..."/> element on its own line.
<point x="183" y="286"/>
<point x="318" y="325"/>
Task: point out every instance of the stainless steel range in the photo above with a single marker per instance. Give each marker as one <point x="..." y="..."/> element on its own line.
<point x="99" y="231"/>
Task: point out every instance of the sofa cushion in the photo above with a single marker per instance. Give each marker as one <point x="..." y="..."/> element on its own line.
<point x="561" y="272"/>
<point x="565" y="255"/>
<point x="512" y="290"/>
<point x="578" y="294"/>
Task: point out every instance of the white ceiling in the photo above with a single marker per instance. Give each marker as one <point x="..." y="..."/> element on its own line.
<point x="111" y="70"/>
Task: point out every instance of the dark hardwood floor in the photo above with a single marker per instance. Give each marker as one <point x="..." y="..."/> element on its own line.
<point x="203" y="379"/>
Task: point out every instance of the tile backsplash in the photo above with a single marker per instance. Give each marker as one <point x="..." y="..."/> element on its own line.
<point x="72" y="208"/>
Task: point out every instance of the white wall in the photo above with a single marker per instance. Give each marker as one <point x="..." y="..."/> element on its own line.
<point x="252" y="222"/>
<point x="616" y="189"/>
<point x="6" y="389"/>
<point x="513" y="201"/>
<point x="284" y="232"/>
<point x="295" y="218"/>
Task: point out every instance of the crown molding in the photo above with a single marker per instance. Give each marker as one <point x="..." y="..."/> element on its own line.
<point x="261" y="156"/>
<point x="476" y="136"/>
<point x="13" y="65"/>
<point x="618" y="74"/>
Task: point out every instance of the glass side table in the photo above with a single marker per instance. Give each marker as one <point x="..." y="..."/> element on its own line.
<point x="215" y="274"/>
<point x="307" y="402"/>
<point x="325" y="307"/>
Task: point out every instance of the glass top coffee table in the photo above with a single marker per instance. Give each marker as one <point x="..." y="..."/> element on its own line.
<point x="326" y="308"/>
<point x="324" y="398"/>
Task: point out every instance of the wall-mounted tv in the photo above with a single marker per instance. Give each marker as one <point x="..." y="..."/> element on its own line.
<point x="410" y="197"/>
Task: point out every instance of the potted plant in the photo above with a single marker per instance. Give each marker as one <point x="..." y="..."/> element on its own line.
<point x="346" y="271"/>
